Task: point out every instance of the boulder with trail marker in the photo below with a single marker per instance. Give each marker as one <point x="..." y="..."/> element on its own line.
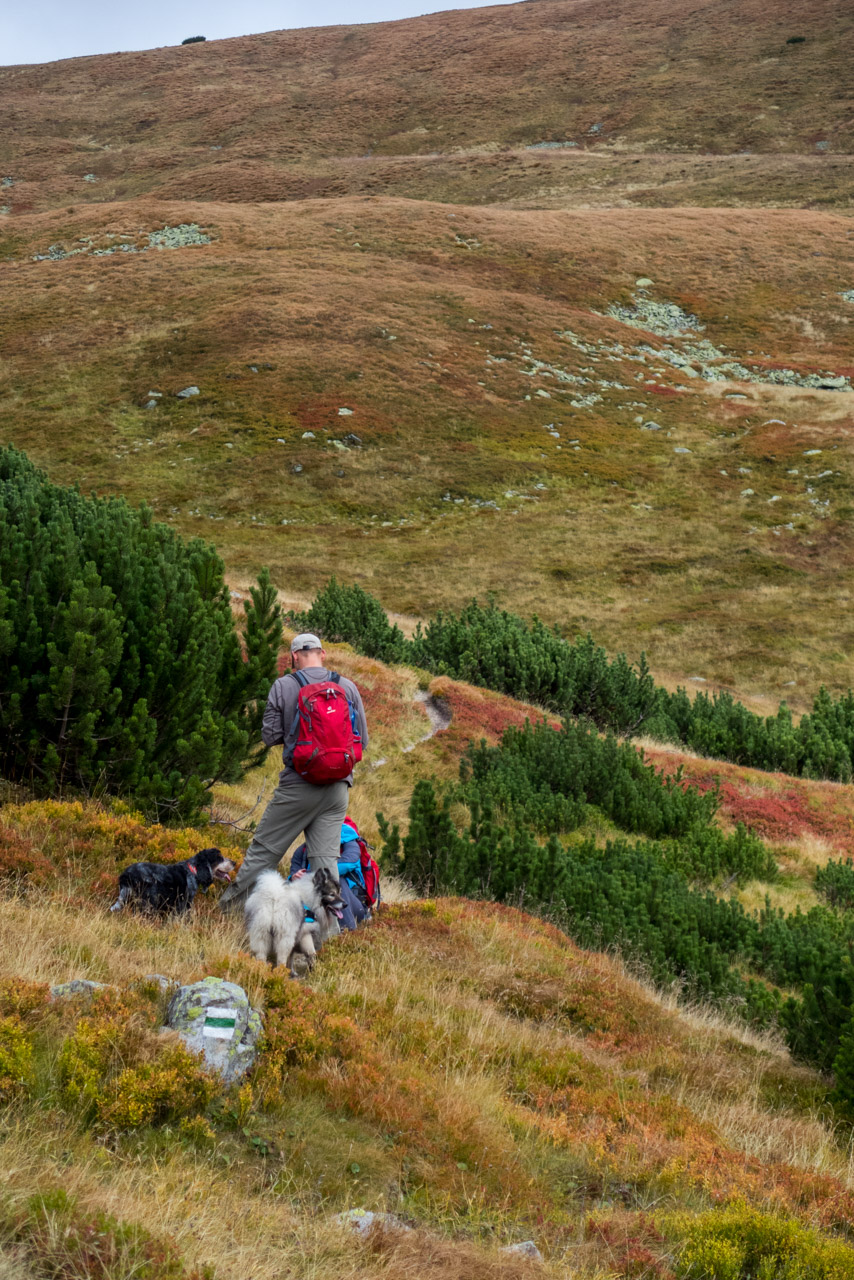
<point x="215" y="1019"/>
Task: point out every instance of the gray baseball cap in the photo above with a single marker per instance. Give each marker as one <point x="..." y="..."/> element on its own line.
<point x="305" y="641"/>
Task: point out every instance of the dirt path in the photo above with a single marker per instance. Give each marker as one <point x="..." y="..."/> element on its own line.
<point x="438" y="713"/>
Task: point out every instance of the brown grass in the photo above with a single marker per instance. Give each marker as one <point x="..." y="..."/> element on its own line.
<point x="648" y="550"/>
<point x="291" y="114"/>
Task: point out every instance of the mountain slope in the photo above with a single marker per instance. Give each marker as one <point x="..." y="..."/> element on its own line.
<point x="440" y="400"/>
<point x="724" y="77"/>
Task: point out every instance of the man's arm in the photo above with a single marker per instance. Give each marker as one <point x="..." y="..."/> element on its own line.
<point x="361" y="722"/>
<point x="273" y="724"/>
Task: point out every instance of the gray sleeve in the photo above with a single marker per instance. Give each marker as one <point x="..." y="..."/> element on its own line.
<point x="360" y="713"/>
<point x="273" y="724"/>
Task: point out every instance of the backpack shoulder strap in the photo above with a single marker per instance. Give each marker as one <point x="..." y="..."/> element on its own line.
<point x="334" y="677"/>
<point x="300" y="677"/>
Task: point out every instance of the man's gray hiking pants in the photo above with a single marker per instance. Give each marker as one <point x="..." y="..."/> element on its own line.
<point x="294" y="807"/>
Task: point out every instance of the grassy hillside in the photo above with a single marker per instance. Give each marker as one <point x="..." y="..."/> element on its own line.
<point x="462" y="1065"/>
<point x="438" y="402"/>
<point x="237" y="119"/>
<point x="609" y="384"/>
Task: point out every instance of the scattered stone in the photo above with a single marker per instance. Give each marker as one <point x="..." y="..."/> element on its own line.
<point x="811" y="453"/>
<point x="698" y="679"/>
<point x="546" y="395"/>
<point x="215" y="1019"/>
<point x="235" y="595"/>
<point x="339" y="444"/>
<point x="596" y="128"/>
<point x="847" y="295"/>
<point x="164" y="983"/>
<point x="296" y="468"/>
<point x="180" y="237"/>
<point x="353" y="439"/>
<point x="308" y="435"/>
<point x="550" y="146"/>
<point x="680" y="449"/>
<point x="346" y="413"/>
<point x="663" y="318"/>
<point x="187" y="393"/>
<point x="155" y="395"/>
<point x="151" y="404"/>
<point x="651" y="426"/>
<point x="747" y="493"/>
<point x="525" y="1248"/>
<point x="89" y="177"/>
<point x="644" y="283"/>
<point x="5" y="183"/>
<point x="76" y="987"/>
<point x="361" y="1220"/>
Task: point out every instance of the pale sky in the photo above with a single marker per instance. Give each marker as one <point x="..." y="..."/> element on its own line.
<point x="45" y="30"/>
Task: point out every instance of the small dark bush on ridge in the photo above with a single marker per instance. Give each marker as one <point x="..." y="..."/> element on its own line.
<point x="194" y="40"/>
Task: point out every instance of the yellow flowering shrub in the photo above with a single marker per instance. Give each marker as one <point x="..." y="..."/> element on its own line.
<point x="117" y="1073"/>
<point x="22" y="999"/>
<point x="172" y="1087"/>
<point x="742" y="1243"/>
<point x="16" y="1059"/>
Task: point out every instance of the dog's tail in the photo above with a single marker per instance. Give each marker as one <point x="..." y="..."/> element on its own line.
<point x="124" y="894"/>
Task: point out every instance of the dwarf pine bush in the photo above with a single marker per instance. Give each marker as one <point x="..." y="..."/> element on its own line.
<point x="120" y="667"/>
<point x="835" y="880"/>
<point x="488" y="646"/>
<point x="500" y="834"/>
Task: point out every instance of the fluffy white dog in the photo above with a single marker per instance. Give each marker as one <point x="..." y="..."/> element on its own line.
<point x="277" y="916"/>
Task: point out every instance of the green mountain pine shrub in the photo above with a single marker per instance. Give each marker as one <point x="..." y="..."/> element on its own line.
<point x="120" y="667"/>
<point x="488" y="646"/>
<point x="497" y="834"/>
<point x="836" y="881"/>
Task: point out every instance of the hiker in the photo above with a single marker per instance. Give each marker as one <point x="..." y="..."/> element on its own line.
<point x="319" y="719"/>
<point x="358" y="874"/>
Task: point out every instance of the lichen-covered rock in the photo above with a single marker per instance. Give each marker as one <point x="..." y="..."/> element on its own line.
<point x="362" y="1220"/>
<point x="525" y="1248"/>
<point x="214" y="1018"/>
<point x="76" y="987"/>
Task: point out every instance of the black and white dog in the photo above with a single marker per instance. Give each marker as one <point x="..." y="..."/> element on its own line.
<point x="169" y="888"/>
<point x="287" y="919"/>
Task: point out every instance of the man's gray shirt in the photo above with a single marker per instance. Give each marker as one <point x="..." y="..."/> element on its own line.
<point x="280" y="715"/>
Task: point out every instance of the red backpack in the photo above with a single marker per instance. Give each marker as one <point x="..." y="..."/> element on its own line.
<point x="328" y="743"/>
